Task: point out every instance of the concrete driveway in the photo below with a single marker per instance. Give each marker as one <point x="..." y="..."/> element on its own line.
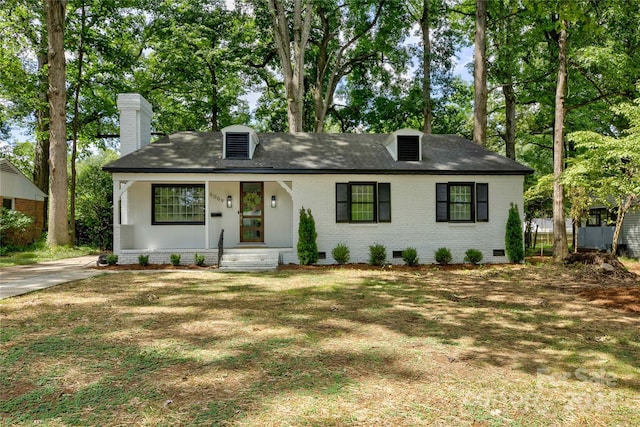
<point x="20" y="279"/>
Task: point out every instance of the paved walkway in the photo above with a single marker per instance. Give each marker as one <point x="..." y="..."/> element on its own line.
<point x="20" y="279"/>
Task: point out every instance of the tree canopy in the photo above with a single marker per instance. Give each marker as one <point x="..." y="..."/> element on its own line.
<point x="328" y="66"/>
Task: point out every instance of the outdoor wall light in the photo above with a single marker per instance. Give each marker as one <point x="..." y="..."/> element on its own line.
<point x="273" y="201"/>
<point x="229" y="201"/>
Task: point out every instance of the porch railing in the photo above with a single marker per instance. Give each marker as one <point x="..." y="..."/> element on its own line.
<point x="220" y="246"/>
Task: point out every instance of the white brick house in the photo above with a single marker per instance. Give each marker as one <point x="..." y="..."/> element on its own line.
<point x="178" y="194"/>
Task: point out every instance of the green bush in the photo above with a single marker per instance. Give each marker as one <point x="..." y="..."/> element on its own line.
<point x="143" y="260"/>
<point x="474" y="256"/>
<point x="410" y="257"/>
<point x="175" y="259"/>
<point x="307" y="246"/>
<point x="377" y="254"/>
<point x="13" y="227"/>
<point x="112" y="259"/>
<point x="513" y="239"/>
<point x="443" y="256"/>
<point x="199" y="260"/>
<point x="341" y="253"/>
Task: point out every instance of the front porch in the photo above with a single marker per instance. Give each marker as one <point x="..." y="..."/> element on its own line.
<point x="158" y="217"/>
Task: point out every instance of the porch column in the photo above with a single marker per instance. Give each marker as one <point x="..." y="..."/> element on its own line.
<point x="207" y="216"/>
<point x="116" y="216"/>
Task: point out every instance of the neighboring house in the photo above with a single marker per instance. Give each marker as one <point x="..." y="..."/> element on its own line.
<point x="402" y="190"/>
<point x="19" y="193"/>
<point x="596" y="233"/>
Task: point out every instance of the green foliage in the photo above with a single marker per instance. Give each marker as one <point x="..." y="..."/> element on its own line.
<point x="198" y="260"/>
<point x="513" y="239"/>
<point x="474" y="256"/>
<point x="443" y="256"/>
<point x="410" y="256"/>
<point x="94" y="203"/>
<point x="143" y="260"/>
<point x="112" y="259"/>
<point x="377" y="254"/>
<point x="12" y="221"/>
<point x="175" y="259"/>
<point x="307" y="246"/>
<point x="341" y="253"/>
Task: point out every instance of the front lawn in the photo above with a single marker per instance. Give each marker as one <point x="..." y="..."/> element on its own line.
<point x="39" y="252"/>
<point x="512" y="345"/>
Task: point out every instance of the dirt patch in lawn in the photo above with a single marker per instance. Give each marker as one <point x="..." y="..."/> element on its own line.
<point x="620" y="297"/>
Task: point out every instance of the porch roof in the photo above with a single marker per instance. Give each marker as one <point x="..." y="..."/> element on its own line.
<point x="318" y="153"/>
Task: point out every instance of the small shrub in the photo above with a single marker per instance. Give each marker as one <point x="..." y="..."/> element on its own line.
<point x="377" y="254"/>
<point x="143" y="260"/>
<point x="341" y="253"/>
<point x="410" y="257"/>
<point x="307" y="246"/>
<point x="443" y="256"/>
<point x="513" y="239"/>
<point x="474" y="256"/>
<point x="112" y="259"/>
<point x="199" y="260"/>
<point x="175" y="259"/>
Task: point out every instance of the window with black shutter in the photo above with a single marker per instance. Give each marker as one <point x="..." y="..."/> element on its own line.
<point x="408" y="147"/>
<point x="384" y="202"/>
<point x="363" y="202"/>
<point x="482" y="202"/>
<point x="342" y="202"/>
<point x="458" y="202"/>
<point x="442" y="202"/>
<point x="237" y="145"/>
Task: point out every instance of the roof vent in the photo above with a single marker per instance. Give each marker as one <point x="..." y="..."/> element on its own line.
<point x="408" y="147"/>
<point x="405" y="145"/>
<point x="237" y="145"/>
<point x="239" y="142"/>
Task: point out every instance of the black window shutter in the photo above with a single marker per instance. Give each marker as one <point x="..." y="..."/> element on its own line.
<point x="384" y="202"/>
<point x="442" y="202"/>
<point x="408" y="147"/>
<point x="342" y="202"/>
<point x="237" y="145"/>
<point x="482" y="202"/>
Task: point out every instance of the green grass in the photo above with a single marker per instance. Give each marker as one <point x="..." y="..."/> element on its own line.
<point x="510" y="345"/>
<point x="39" y="252"/>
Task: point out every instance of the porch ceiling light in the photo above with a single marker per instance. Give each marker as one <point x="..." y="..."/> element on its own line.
<point x="229" y="204"/>
<point x="273" y="201"/>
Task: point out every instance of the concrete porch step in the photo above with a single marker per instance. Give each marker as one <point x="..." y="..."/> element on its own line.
<point x="249" y="261"/>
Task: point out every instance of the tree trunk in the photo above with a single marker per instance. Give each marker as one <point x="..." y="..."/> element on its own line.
<point x="76" y="129"/>
<point x="58" y="184"/>
<point x="510" y="120"/>
<point x="426" y="68"/>
<point x="41" y="152"/>
<point x="622" y="211"/>
<point x="560" y="249"/>
<point x="480" y="76"/>
<point x="292" y="65"/>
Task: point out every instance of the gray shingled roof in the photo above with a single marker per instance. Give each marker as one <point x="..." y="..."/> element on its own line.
<point x="201" y="152"/>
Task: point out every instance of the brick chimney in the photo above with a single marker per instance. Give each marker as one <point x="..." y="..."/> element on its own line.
<point x="135" y="122"/>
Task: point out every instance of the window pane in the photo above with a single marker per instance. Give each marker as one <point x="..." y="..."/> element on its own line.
<point x="178" y="204"/>
<point x="460" y="202"/>
<point x="362" y="202"/>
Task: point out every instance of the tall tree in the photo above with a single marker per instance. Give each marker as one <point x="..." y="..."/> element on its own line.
<point x="58" y="227"/>
<point x="292" y="53"/>
<point x="480" y="75"/>
<point x="560" y="248"/>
